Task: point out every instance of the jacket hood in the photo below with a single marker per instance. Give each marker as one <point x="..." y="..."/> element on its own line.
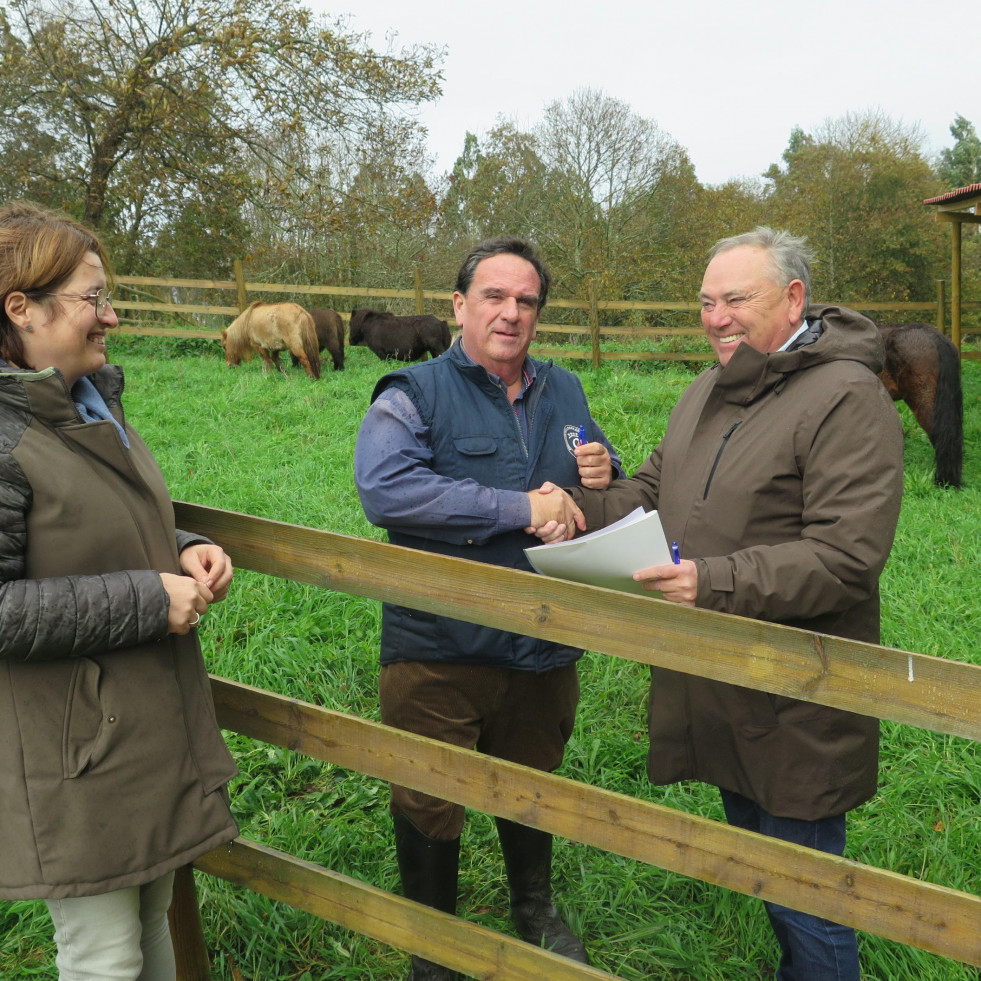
<point x="846" y="336"/>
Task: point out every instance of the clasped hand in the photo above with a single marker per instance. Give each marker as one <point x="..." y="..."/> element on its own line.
<point x="554" y="515"/>
<point x="207" y="575"/>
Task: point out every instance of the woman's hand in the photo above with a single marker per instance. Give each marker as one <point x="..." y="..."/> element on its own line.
<point x="209" y="565"/>
<point x="188" y="602"/>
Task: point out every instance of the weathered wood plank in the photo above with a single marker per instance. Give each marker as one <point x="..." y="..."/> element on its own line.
<point x="467" y="947"/>
<point x="920" y="914"/>
<point x="929" y="692"/>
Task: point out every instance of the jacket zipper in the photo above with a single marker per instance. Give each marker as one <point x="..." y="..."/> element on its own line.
<point x="718" y="457"/>
<point x="530" y="406"/>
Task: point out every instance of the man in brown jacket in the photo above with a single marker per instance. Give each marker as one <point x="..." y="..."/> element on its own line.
<point x="780" y="475"/>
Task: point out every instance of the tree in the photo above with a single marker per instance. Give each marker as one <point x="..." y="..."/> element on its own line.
<point x="855" y="188"/>
<point x="616" y="187"/>
<point x="960" y="165"/>
<point x="125" y="110"/>
<point x="496" y="186"/>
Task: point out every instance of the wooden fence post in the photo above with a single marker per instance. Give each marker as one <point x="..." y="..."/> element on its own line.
<point x="186" y="930"/>
<point x="417" y="286"/>
<point x="955" y="284"/>
<point x="942" y="306"/>
<point x="243" y="301"/>
<point x="594" y="322"/>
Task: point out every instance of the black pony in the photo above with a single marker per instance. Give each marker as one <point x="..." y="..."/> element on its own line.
<point x="923" y="368"/>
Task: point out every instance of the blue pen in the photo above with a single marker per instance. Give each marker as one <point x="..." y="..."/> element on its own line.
<point x="582" y="435"/>
<point x="675" y="553"/>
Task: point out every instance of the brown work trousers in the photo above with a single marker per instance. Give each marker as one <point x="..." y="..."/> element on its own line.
<point x="519" y="716"/>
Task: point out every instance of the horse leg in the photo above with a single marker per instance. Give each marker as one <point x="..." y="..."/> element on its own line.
<point x="270" y="359"/>
<point x="307" y="367"/>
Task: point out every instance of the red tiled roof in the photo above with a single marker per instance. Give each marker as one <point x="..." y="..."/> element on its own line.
<point x="971" y="191"/>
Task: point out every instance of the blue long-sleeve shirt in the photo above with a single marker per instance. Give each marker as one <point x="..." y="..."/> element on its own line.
<point x="400" y="491"/>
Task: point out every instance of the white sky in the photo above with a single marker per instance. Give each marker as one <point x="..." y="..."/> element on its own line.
<point x="727" y="80"/>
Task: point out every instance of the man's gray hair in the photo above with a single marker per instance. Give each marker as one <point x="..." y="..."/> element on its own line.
<point x="790" y="254"/>
<point x="504" y="245"/>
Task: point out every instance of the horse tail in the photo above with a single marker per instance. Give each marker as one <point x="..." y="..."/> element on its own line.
<point x="311" y="348"/>
<point x="947" y="432"/>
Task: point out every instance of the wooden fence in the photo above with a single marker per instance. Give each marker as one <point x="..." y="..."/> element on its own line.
<point x="435" y="301"/>
<point x="903" y="686"/>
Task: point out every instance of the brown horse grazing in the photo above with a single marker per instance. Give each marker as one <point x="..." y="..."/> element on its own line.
<point x="270" y="328"/>
<point x="330" y="335"/>
<point x="923" y="369"/>
<point x="406" y="338"/>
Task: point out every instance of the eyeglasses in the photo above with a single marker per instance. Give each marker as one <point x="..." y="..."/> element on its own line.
<point x="101" y="298"/>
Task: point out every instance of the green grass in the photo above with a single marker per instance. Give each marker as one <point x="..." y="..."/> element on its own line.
<point x="282" y="447"/>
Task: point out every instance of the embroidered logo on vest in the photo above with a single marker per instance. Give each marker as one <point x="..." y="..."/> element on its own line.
<point x="573" y="437"/>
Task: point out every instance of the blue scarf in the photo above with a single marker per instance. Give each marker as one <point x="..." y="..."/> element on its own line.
<point x="92" y="406"/>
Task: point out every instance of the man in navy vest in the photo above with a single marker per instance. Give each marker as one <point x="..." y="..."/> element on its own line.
<point x="450" y="459"/>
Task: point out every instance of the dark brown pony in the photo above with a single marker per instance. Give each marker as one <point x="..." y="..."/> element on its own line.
<point x="923" y="369"/>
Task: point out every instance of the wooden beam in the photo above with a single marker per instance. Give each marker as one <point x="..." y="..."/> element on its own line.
<point x="929" y="692"/>
<point x="959" y="217"/>
<point x="475" y="950"/>
<point x="920" y="914"/>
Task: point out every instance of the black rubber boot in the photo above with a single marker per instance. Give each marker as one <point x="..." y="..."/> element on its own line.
<point x="528" y="860"/>
<point x="428" y="869"/>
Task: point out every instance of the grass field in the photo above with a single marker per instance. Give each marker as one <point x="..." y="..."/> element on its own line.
<point x="281" y="446"/>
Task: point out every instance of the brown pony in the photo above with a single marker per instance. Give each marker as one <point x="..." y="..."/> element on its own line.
<point x="923" y="368"/>
<point x="270" y="328"/>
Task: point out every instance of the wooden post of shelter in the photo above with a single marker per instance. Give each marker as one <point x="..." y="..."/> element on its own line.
<point x="243" y="300"/>
<point x="417" y="288"/>
<point x="955" y="207"/>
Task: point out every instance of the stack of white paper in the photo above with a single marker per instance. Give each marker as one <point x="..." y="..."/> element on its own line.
<point x="609" y="556"/>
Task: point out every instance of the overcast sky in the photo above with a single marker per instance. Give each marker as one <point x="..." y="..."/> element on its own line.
<point x="729" y="81"/>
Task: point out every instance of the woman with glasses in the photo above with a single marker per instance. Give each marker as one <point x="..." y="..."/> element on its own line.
<point x="112" y="767"/>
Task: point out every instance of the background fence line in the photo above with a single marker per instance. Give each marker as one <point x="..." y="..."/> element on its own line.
<point x="904" y="686"/>
<point x="245" y="291"/>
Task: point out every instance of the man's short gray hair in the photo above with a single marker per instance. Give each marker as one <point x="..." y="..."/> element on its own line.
<point x="790" y="254"/>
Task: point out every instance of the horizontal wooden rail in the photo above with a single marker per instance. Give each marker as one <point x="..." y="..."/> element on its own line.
<point x="929" y="692"/>
<point x="586" y="355"/>
<point x="475" y="950"/>
<point x="174" y="307"/>
<point x="895" y="906"/>
<point x="446" y="296"/>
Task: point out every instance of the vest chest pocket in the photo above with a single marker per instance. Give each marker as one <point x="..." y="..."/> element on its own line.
<point x="475" y="445"/>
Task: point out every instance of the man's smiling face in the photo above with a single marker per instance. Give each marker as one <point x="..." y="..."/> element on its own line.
<point x="742" y="301"/>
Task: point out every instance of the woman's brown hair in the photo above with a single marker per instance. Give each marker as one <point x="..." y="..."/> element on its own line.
<point x="39" y="250"/>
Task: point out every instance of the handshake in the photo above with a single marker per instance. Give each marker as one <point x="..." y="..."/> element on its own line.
<point x="555" y="517"/>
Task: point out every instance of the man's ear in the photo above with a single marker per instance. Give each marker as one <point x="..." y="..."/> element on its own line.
<point x="458" y="300"/>
<point x="796" y="294"/>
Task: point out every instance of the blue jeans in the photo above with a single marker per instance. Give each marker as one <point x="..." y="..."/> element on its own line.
<point x="812" y="948"/>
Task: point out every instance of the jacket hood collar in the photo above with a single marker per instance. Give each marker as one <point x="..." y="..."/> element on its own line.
<point x="49" y="395"/>
<point x="846" y="336"/>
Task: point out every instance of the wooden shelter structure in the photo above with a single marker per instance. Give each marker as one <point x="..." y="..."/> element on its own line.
<point x="955" y="207"/>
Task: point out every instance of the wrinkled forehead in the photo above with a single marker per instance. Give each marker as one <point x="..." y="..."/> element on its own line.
<point x="506" y="271"/>
<point x="744" y="269"/>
